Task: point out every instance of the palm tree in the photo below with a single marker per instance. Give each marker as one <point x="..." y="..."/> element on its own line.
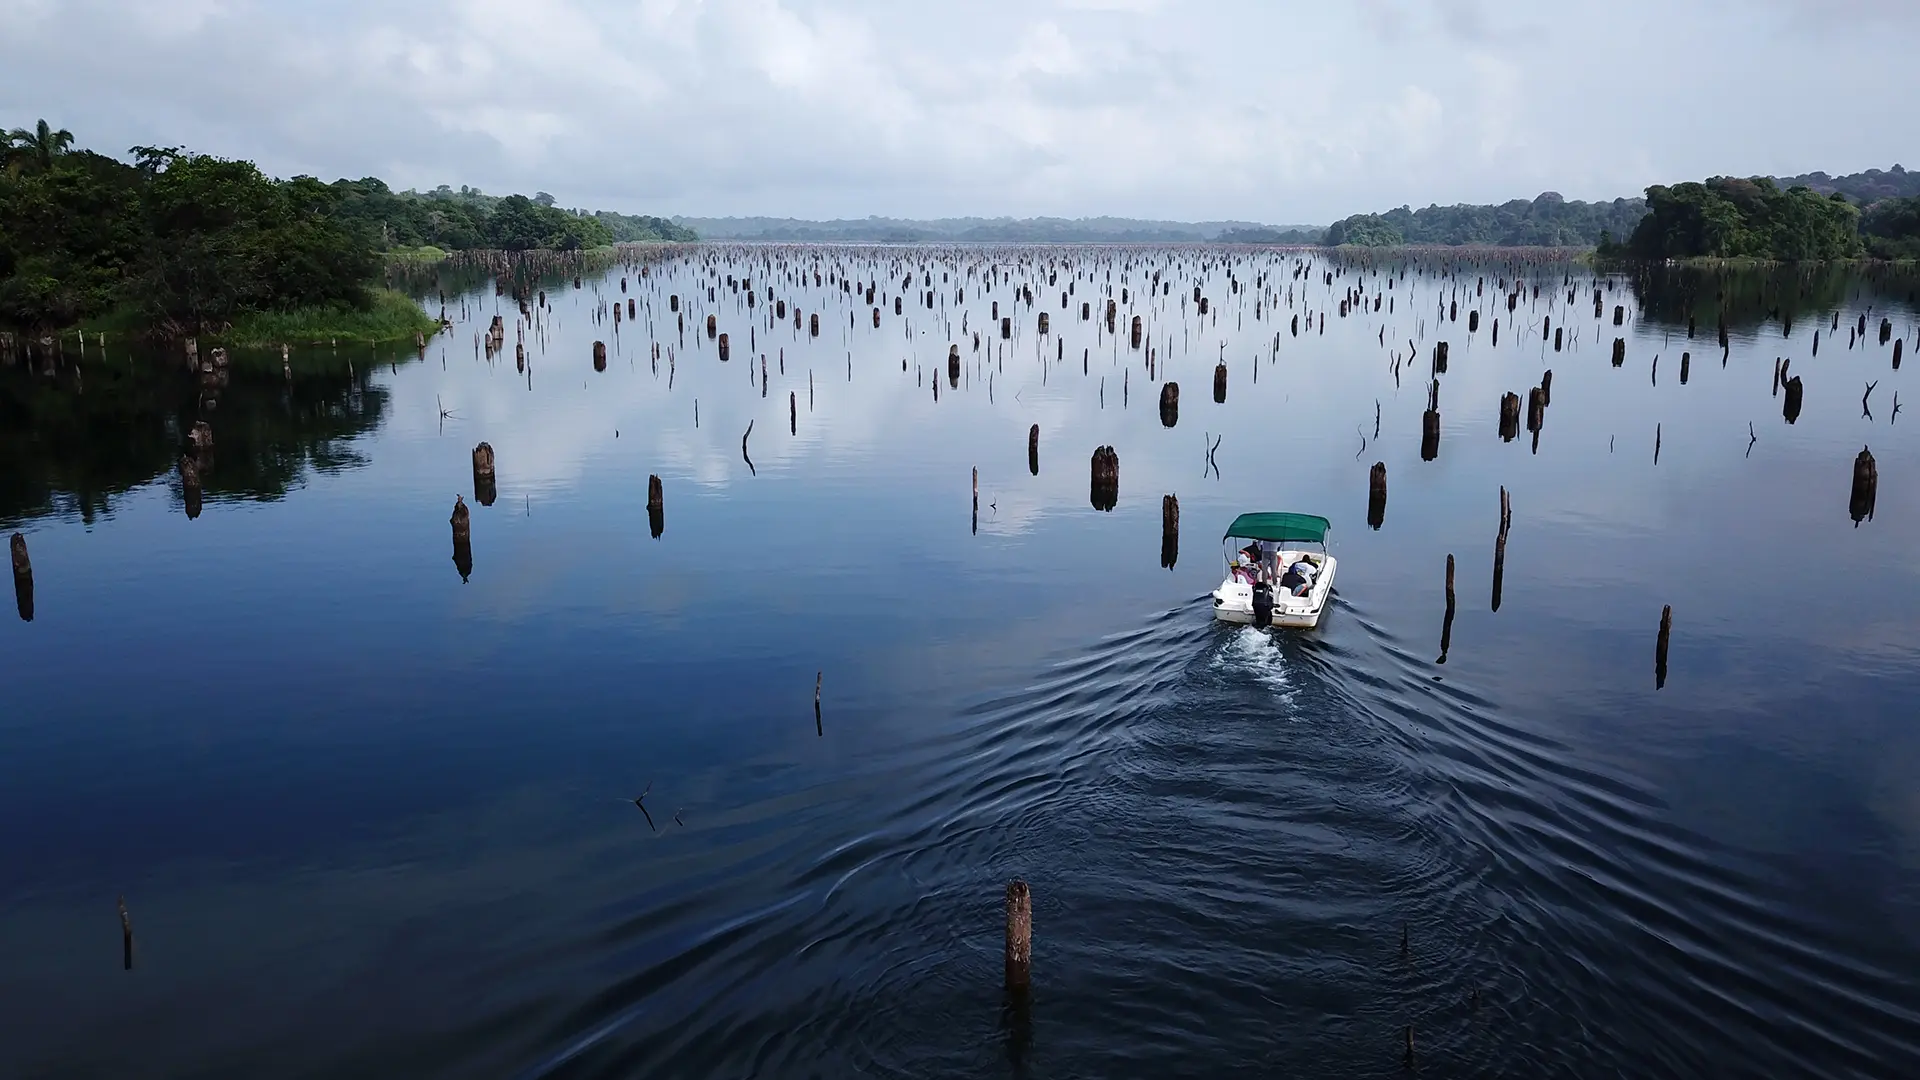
<point x="42" y="144"/>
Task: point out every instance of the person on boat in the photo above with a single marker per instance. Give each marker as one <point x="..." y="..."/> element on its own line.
<point x="1247" y="567"/>
<point x="1298" y="579"/>
<point x="1270" y="560"/>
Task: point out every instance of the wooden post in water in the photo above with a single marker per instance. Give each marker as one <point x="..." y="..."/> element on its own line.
<point x="1791" y="409"/>
<point x="1866" y="483"/>
<point x="1169" y="404"/>
<point x="1686" y="359"/>
<point x="1509" y="416"/>
<point x="1619" y="351"/>
<point x="1220" y="383"/>
<point x="1134" y="337"/>
<point x="1033" y="450"/>
<point x="22" y="577"/>
<point x="656" y="506"/>
<point x="726" y="351"/>
<point x="1377" y="495"/>
<point x="1446" y="626"/>
<point x="599" y="356"/>
<point x="1019" y="937"/>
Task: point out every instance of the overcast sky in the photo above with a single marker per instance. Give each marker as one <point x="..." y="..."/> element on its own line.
<point x="1249" y="109"/>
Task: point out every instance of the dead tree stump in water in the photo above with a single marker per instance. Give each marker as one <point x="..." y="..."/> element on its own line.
<point x="1500" y="547"/>
<point x="1446" y="626"/>
<point x="22" y="577"/>
<point x="1509" y="416"/>
<point x="462" y="538"/>
<point x="1896" y="353"/>
<point x="1686" y="360"/>
<point x="1430" y="424"/>
<point x="1440" y="358"/>
<point x="599" y="356"/>
<point x="1660" y="648"/>
<point x="1138" y="329"/>
<point x="200" y="437"/>
<point x="1169" y="530"/>
<point x="1105" y="486"/>
<point x="126" y="937"/>
<point x="1220" y="383"/>
<point x="1043" y="322"/>
<point x="1866" y="483"/>
<point x="1473" y="322"/>
<point x="190" y="486"/>
<point x="1619" y="351"/>
<point x="1377" y="495"/>
<point x="1791" y="408"/>
<point x="1019" y="937"/>
<point x="1169" y="404"/>
<point x="484" y="490"/>
<point x="953" y="366"/>
<point x="656" y="507"/>
<point x="1546" y="389"/>
<point x="813" y="325"/>
<point x="726" y="349"/>
<point x="1033" y="450"/>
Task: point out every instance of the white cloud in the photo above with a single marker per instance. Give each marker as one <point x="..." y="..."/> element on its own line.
<point x="845" y="107"/>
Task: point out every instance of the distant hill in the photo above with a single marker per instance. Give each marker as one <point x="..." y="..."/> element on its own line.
<point x="879" y="230"/>
<point x="1861" y="188"/>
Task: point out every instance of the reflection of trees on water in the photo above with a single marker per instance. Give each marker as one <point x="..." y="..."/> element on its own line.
<point x="76" y="436"/>
<point x="1751" y="295"/>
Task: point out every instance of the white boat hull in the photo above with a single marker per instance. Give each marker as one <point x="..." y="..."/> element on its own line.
<point x="1233" y="600"/>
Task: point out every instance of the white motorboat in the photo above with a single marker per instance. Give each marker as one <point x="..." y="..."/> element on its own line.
<point x="1262" y="591"/>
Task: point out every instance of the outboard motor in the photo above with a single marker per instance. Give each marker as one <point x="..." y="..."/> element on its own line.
<point x="1263" y="605"/>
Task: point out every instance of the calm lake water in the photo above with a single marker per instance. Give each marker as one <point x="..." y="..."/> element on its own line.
<point x="373" y="819"/>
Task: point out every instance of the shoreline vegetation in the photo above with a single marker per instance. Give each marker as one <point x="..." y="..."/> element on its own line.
<point x="179" y="244"/>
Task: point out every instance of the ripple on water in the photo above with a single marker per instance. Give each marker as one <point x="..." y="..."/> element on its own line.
<point x="1243" y="875"/>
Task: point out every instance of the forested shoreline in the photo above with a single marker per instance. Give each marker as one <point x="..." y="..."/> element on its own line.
<point x="179" y="243"/>
<point x="1874" y="214"/>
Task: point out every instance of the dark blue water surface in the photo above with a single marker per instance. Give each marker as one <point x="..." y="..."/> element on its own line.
<point x="374" y="820"/>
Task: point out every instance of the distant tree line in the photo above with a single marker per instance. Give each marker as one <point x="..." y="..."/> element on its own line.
<point x="458" y="220"/>
<point x="186" y="242"/>
<point x="1811" y="217"/>
<point x="1547" y="221"/>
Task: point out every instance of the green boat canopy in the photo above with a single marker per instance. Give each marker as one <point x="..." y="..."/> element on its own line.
<point x="1279" y="527"/>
